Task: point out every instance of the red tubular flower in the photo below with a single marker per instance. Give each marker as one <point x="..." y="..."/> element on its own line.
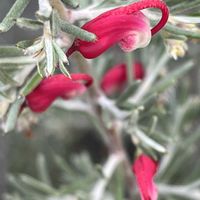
<point x="116" y="77"/>
<point x="57" y="86"/>
<point x="144" y="169"/>
<point x="126" y="25"/>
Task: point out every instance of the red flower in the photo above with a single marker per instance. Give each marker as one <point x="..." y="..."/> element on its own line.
<point x="116" y="77"/>
<point x="57" y="86"/>
<point x="144" y="169"/>
<point x="125" y="25"/>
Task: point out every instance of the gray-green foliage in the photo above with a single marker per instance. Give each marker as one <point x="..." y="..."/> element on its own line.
<point x="158" y="114"/>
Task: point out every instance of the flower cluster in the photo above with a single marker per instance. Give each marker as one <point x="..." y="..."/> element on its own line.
<point x="125" y="25"/>
<point x="128" y="27"/>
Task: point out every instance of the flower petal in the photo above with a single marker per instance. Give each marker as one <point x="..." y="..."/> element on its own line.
<point x="116" y="77"/>
<point x="56" y="86"/>
<point x="139" y="71"/>
<point x="144" y="169"/>
<point x="124" y="25"/>
<point x="130" y="31"/>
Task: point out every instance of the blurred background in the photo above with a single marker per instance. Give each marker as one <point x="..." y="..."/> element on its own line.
<point x="58" y="133"/>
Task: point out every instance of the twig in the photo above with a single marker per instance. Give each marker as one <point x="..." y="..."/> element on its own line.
<point x="146" y="85"/>
<point x="108" y="169"/>
<point x="113" y="134"/>
<point x="181" y="191"/>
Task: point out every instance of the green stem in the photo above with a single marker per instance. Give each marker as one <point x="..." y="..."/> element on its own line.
<point x="15" y="12"/>
<point x="113" y="134"/>
<point x="129" y="67"/>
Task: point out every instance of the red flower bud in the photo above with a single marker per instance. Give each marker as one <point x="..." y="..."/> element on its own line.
<point x="116" y="77"/>
<point x="57" y="86"/>
<point x="144" y="169"/>
<point x="125" y="25"/>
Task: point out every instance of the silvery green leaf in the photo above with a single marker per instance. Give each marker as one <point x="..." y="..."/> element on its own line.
<point x="43" y="169"/>
<point x="23" y="189"/>
<point x="6" y="78"/>
<point x="31" y="84"/>
<point x="61" y="55"/>
<point x="29" y="23"/>
<point x="176" y="37"/>
<point x="49" y="55"/>
<point x="63" y="69"/>
<point x="13" y="115"/>
<point x="15" y="12"/>
<point x="187" y="19"/>
<point x="148" y="141"/>
<point x="76" y="31"/>
<point x="171" y="78"/>
<point x="37" y="46"/>
<point x="18" y="60"/>
<point x="12" y="67"/>
<point x="181" y="31"/>
<point x="55" y="23"/>
<point x="185" y="6"/>
<point x="37" y="185"/>
<point x="40" y="70"/>
<point x="190" y="111"/>
<point x="24" y="44"/>
<point x="49" y="50"/>
<point x="10" y="51"/>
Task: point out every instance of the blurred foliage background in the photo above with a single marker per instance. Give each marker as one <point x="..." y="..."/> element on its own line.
<point x="59" y="157"/>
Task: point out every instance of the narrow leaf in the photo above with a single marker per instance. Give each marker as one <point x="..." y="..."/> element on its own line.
<point x="37" y="185"/>
<point x="24" y="44"/>
<point x="6" y="79"/>
<point x="76" y="31"/>
<point x="13" y="115"/>
<point x="63" y="69"/>
<point x="62" y="56"/>
<point x="29" y="23"/>
<point x="15" y="12"/>
<point x="31" y="84"/>
<point x="149" y="142"/>
<point x="42" y="169"/>
<point x="171" y="78"/>
<point x="10" y="51"/>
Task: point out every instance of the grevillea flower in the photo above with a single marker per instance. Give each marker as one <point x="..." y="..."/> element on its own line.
<point x="57" y="86"/>
<point x="144" y="169"/>
<point x="116" y="77"/>
<point x="126" y="25"/>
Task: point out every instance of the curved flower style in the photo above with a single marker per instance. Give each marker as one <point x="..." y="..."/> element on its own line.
<point x="116" y="77"/>
<point x="126" y="25"/>
<point x="144" y="169"/>
<point x="57" y="86"/>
